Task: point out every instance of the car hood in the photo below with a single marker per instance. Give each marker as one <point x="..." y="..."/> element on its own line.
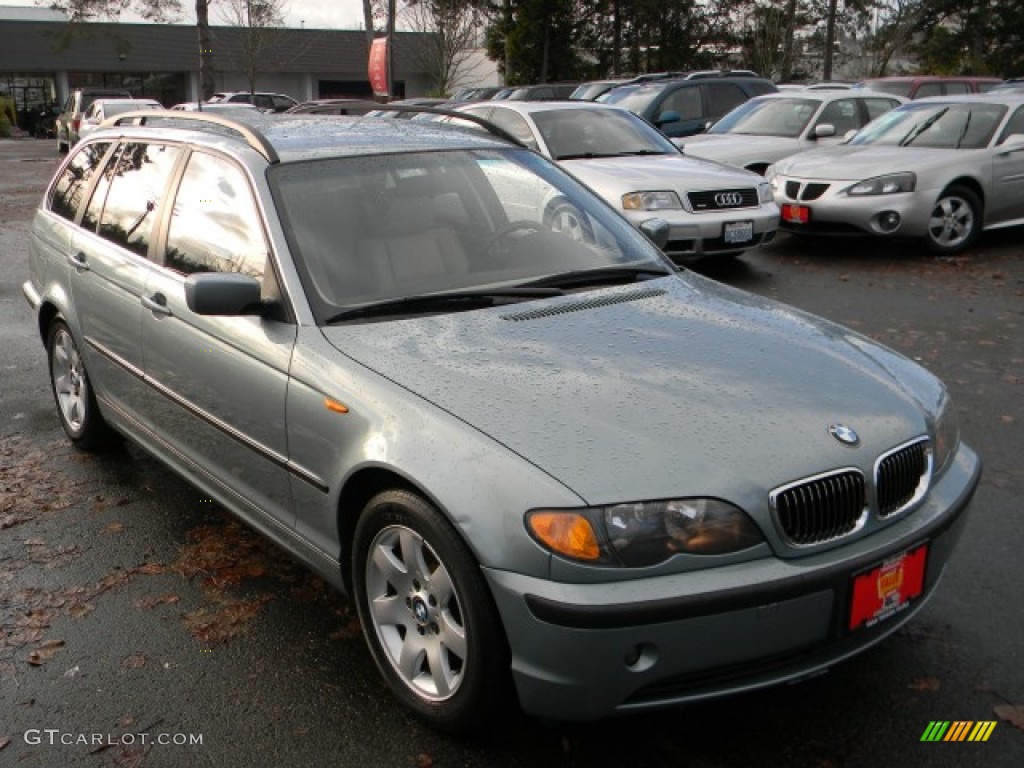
<point x="653" y="390"/>
<point x="849" y="163"/>
<point x="619" y="175"/>
<point x="737" y="148"/>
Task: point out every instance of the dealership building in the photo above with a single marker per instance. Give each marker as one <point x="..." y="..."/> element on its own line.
<point x="43" y="57"/>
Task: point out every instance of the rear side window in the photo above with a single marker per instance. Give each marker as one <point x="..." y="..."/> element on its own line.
<point x="139" y="177"/>
<point x="69" y="191"/>
<point x="215" y="226"/>
<point x="957" y="88"/>
<point x="928" y="89"/>
<point x="722" y="97"/>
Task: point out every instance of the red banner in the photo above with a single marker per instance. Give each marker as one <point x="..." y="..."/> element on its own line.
<point x="378" y="67"/>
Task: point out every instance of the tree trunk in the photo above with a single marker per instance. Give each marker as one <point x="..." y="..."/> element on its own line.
<point x="391" y="49"/>
<point x="830" y="39"/>
<point x="787" y="44"/>
<point x="616" y="39"/>
<point x="207" y="80"/>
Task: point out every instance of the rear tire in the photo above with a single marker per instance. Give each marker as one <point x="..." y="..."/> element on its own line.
<point x="72" y="392"/>
<point x="427" y="614"/>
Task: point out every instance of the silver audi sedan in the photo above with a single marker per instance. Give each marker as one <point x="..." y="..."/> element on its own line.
<point x="939" y="170"/>
<point x="549" y="470"/>
<point x="712" y="209"/>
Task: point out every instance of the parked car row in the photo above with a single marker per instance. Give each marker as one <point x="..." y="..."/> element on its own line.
<point x="549" y="467"/>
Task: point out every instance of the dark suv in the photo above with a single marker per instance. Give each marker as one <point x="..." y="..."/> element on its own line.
<point x="684" y="105"/>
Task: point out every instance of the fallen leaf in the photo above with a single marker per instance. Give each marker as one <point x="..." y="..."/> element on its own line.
<point x="1007" y="419"/>
<point x="424" y="761"/>
<point x="1014" y="715"/>
<point x="147" y="603"/>
<point x="80" y="610"/>
<point x="4" y="741"/>
<point x="150" y="569"/>
<point x="135" y="661"/>
<point x="125" y="720"/>
<point x="925" y="684"/>
<point x="114" y="528"/>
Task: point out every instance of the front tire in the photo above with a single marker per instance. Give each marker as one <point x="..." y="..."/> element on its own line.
<point x="955" y="221"/>
<point x="72" y="391"/>
<point x="427" y="614"/>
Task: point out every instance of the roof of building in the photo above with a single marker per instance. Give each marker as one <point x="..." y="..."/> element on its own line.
<point x="48" y="46"/>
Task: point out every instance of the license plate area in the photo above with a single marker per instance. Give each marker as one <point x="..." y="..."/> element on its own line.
<point x="738" y="232"/>
<point x="796" y="214"/>
<point x="886" y="589"/>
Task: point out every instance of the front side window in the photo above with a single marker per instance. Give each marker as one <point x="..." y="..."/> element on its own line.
<point x="877" y="107"/>
<point x="515" y="124"/>
<point x="1015" y="125"/>
<point x="69" y="191"/>
<point x="139" y="177"/>
<point x="215" y="226"/>
<point x="686" y="102"/>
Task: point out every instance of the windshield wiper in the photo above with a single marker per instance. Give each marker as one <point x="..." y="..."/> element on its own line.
<point x="598" y="276"/>
<point x="605" y="155"/>
<point x="425" y="302"/>
<point x="963" y="133"/>
<point x="918" y="130"/>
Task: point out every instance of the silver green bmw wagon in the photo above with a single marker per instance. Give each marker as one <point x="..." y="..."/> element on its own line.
<point x="549" y="467"/>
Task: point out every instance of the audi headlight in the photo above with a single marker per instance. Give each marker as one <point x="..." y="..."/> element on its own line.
<point x="884" y="185"/>
<point x="646" y="533"/>
<point x="651" y="201"/>
<point x="947" y="434"/>
<point x="764" y="192"/>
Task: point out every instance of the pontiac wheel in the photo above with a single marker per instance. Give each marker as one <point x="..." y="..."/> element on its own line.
<point x="427" y="614"/>
<point x="955" y="221"/>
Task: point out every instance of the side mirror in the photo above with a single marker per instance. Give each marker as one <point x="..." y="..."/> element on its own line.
<point x="223" y="293"/>
<point x="1012" y="143"/>
<point x="657" y="230"/>
<point x="666" y="117"/>
<point x="824" y="130"/>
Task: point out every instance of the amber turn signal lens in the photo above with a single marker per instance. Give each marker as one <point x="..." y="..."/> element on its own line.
<point x="333" y="405"/>
<point x="567" y="533"/>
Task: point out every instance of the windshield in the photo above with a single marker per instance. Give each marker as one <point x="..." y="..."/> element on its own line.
<point x="635" y="98"/>
<point x="769" y="117"/>
<point x="934" y="125"/>
<point x="376" y="228"/>
<point x="577" y="133"/>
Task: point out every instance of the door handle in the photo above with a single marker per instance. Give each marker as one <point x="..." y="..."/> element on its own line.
<point x="156" y="303"/>
<point x="78" y="260"/>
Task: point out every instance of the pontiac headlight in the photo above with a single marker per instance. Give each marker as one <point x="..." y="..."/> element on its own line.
<point x="651" y="201"/>
<point x="947" y="434"/>
<point x="884" y="185"/>
<point x="644" y="533"/>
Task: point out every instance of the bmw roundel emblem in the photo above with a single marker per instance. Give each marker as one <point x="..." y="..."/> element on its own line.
<point x="844" y="434"/>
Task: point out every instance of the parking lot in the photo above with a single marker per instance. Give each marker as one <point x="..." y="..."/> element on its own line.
<point x="140" y="626"/>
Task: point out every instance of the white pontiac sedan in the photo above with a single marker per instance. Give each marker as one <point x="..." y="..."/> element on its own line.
<point x="768" y="128"/>
<point x="712" y="209"/>
<point x="101" y="109"/>
<point x="940" y="170"/>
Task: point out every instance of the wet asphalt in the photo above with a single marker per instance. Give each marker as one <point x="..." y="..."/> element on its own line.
<point x="141" y="626"/>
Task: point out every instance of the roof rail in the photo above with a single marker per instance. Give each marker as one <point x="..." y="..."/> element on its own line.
<point x="708" y="73"/>
<point x="253" y="137"/>
<point x="487" y="125"/>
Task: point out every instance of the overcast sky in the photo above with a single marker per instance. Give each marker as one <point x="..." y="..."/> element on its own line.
<point x="324" y="14"/>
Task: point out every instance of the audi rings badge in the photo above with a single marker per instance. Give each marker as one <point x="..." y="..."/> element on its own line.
<point x="728" y="199"/>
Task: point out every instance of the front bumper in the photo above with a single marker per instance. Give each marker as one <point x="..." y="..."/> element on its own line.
<point x="695" y="235"/>
<point x="587" y="651"/>
<point x="833" y="212"/>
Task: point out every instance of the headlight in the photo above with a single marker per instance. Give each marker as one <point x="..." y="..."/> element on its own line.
<point x="651" y="201"/>
<point x="884" y="185"/>
<point x="771" y="178"/>
<point x="644" y="533"/>
<point x="764" y="192"/>
<point x="947" y="434"/>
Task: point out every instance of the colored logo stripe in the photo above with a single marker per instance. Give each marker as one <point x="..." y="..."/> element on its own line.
<point x="958" y="730"/>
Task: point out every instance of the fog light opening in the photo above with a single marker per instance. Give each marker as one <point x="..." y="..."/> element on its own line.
<point x="888" y="221"/>
<point x="641" y="657"/>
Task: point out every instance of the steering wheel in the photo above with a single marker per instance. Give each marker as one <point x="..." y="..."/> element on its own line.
<point x="500" y="244"/>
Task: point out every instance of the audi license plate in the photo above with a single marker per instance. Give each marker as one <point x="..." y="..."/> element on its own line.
<point x="739" y="232"/>
<point x="888" y="588"/>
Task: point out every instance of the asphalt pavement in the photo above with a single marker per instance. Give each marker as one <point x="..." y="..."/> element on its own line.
<point x="141" y="626"/>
